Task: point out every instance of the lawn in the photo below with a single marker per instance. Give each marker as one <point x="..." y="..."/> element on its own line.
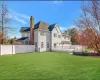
<point x="49" y="66"/>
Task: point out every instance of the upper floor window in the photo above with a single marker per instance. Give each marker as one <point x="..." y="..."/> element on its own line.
<point x="55" y="35"/>
<point x="68" y="38"/>
<point x="24" y="34"/>
<point x="59" y="36"/>
<point x="42" y="45"/>
<point x="64" y="37"/>
<point x="42" y="33"/>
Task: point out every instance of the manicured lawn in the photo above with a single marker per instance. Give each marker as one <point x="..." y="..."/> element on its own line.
<point x="49" y="66"/>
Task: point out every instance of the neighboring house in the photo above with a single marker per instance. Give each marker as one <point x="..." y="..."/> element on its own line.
<point x="45" y="36"/>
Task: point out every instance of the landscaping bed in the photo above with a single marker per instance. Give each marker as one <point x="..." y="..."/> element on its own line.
<point x="86" y="54"/>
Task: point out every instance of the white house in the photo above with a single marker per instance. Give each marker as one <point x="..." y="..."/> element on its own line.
<point x="44" y="36"/>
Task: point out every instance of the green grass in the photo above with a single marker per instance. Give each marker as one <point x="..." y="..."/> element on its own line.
<point x="49" y="66"/>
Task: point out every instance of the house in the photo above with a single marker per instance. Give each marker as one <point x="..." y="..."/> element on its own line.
<point x="44" y="36"/>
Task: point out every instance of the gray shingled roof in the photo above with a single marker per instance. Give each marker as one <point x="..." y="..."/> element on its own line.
<point x="23" y="38"/>
<point x="51" y="27"/>
<point x="40" y="25"/>
<point x="23" y="29"/>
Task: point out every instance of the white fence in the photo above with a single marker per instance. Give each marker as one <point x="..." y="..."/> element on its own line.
<point x="14" y="49"/>
<point x="71" y="48"/>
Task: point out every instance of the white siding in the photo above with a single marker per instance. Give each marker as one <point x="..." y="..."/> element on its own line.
<point x="65" y="39"/>
<point x="25" y="34"/>
<point x="36" y="35"/>
<point x="56" y="40"/>
<point x="48" y="38"/>
<point x="42" y="38"/>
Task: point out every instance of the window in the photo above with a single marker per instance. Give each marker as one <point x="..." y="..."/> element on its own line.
<point x="54" y="44"/>
<point x="26" y="42"/>
<point x="59" y="36"/>
<point x="42" y="33"/>
<point x="68" y="38"/>
<point x="47" y="44"/>
<point x="35" y="44"/>
<point x="55" y="35"/>
<point x="64" y="37"/>
<point x="25" y="34"/>
<point x="42" y="45"/>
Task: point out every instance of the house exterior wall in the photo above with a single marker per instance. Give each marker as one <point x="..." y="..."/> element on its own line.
<point x="26" y="41"/>
<point x="48" y="40"/>
<point x="56" y="40"/>
<point x="65" y="39"/>
<point x="25" y="34"/>
<point x="36" y="42"/>
<point x="42" y="40"/>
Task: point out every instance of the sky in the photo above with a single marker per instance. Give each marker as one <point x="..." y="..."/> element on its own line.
<point x="64" y="13"/>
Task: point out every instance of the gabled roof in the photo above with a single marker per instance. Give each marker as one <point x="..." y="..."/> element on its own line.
<point x="51" y="27"/>
<point x="23" y="38"/>
<point x="23" y="29"/>
<point x="40" y="25"/>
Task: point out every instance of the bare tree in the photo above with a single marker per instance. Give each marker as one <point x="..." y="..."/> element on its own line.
<point x="89" y="24"/>
<point x="4" y="20"/>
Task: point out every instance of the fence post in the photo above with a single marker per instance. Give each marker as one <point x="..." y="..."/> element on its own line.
<point x="27" y="48"/>
<point x="13" y="49"/>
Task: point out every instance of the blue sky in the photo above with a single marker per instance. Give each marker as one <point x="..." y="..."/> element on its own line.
<point x="61" y="12"/>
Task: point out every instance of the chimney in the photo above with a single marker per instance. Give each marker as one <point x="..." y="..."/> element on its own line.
<point x="31" y="30"/>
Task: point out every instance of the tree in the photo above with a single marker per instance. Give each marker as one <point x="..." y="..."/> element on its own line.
<point x="0" y="38"/>
<point x="74" y="35"/>
<point x="89" y="24"/>
<point x="4" y="20"/>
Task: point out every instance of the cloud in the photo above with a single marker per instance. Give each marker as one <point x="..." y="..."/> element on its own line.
<point x="19" y="19"/>
<point x="73" y="26"/>
<point x="58" y="2"/>
<point x="56" y="5"/>
<point x="18" y="16"/>
<point x="62" y="28"/>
